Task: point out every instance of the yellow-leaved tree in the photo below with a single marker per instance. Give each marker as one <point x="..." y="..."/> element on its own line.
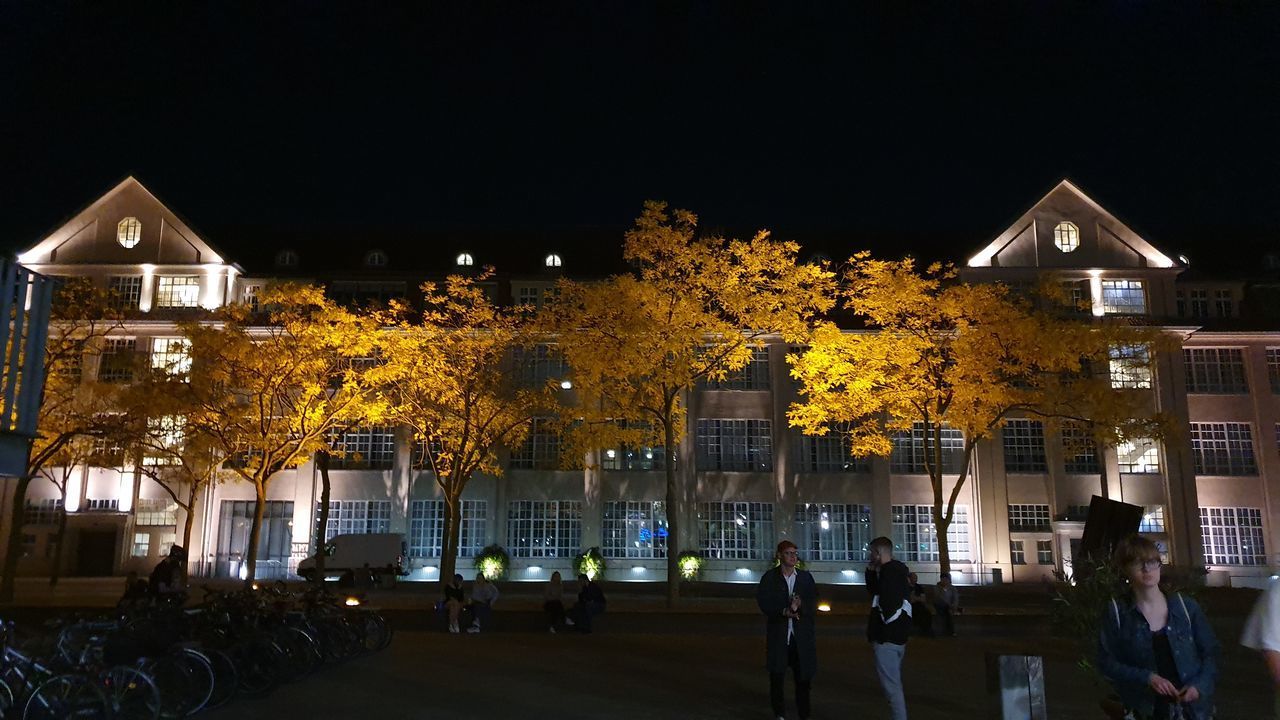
<point x="693" y="311"/>
<point x="941" y="355"/>
<point x="447" y="373"/>
<point x="266" y="393"/>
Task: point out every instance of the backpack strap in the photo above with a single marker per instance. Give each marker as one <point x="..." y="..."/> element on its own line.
<point x="1185" y="614"/>
<point x="1116" y="609"/>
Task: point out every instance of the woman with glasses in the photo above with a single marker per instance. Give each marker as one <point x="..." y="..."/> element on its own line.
<point x="1158" y="651"/>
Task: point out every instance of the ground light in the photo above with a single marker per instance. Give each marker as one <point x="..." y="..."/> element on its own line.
<point x="824" y="607"/>
<point x="352" y="601"/>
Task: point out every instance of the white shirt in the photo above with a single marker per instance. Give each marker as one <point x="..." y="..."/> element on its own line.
<point x="1262" y="629"/>
<point x="791" y="590"/>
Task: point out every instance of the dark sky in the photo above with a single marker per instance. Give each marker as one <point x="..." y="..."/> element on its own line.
<point x="888" y="125"/>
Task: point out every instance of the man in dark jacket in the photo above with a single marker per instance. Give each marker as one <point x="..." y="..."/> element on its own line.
<point x="788" y="597"/>
<point x="590" y="603"/>
<point x="890" y="620"/>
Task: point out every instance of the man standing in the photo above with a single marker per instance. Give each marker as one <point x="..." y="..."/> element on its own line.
<point x="890" y="620"/>
<point x="788" y="597"/>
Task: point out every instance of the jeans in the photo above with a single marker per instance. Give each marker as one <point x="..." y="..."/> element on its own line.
<point x="555" y="612"/>
<point x="480" y="613"/>
<point x="582" y="615"/>
<point x="889" y="668"/>
<point x="776" y="681"/>
<point x="948" y="622"/>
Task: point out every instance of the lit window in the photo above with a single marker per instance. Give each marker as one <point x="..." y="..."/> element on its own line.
<point x="126" y="291"/>
<point x="833" y="531"/>
<point x="1139" y="456"/>
<point x="1223" y="448"/>
<point x="141" y="544"/>
<point x="1232" y="536"/>
<point x="465" y="260"/>
<point x="916" y="537"/>
<point x="634" y="530"/>
<point x="356" y="517"/>
<point x="553" y="261"/>
<point x="1123" y="297"/>
<point x="178" y="291"/>
<point x="286" y="258"/>
<point x="544" y="528"/>
<point x="1066" y="236"/>
<point x="375" y="258"/>
<point x="735" y="530"/>
<point x="426" y="528"/>
<point x="1024" y="446"/>
<point x="129" y="232"/>
<point x="1130" y="366"/>
<point x="155" y="511"/>
<point x="171" y="355"/>
<point x="1152" y="519"/>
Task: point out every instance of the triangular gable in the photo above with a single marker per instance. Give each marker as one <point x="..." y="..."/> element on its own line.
<point x="1104" y="241"/>
<point x="90" y="236"/>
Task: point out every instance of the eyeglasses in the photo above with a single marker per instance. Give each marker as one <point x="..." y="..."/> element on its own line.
<point x="1148" y="565"/>
<point x="790" y="552"/>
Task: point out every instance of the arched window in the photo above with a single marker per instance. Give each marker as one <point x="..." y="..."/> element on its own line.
<point x="286" y="258"/>
<point x="1066" y="236"/>
<point x="465" y="260"/>
<point x="553" y="261"/>
<point x="129" y="232"/>
<point x="375" y="258"/>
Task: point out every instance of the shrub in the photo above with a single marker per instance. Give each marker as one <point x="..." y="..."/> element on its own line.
<point x="690" y="564"/>
<point x="493" y="562"/>
<point x="590" y="563"/>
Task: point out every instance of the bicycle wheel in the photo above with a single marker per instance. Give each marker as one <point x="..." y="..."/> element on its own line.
<point x="67" y="696"/>
<point x="6" y="700"/>
<point x="373" y="631"/>
<point x="201" y="674"/>
<point x="257" y="662"/>
<point x="131" y="695"/>
<point x="300" y="652"/>
<point x="226" y="679"/>
<point x="184" y="680"/>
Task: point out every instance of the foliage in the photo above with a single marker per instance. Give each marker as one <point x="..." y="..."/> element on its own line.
<point x="590" y="563"/>
<point x="492" y="562"/>
<point x="693" y="311"/>
<point x="690" y="564"/>
<point x="944" y="354"/>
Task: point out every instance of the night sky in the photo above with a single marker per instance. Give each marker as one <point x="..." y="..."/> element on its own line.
<point x="888" y="125"/>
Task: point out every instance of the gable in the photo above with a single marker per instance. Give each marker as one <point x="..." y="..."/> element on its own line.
<point x="90" y="237"/>
<point x="1104" y="241"/>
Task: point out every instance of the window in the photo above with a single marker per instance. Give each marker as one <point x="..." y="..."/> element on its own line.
<point x="544" y="528"/>
<point x="634" y="530"/>
<point x="426" y="528"/>
<point x="535" y="296"/>
<point x="102" y="504"/>
<point x="1199" y="303"/>
<point x="752" y="376"/>
<point x="167" y="433"/>
<point x="366" y="448"/>
<point x="1029" y="518"/>
<point x="375" y="258"/>
<point x="116" y="363"/>
<point x="365" y="293"/>
<point x="552" y="261"/>
<point x="1232" y="536"/>
<point x="129" y="232"/>
<point x="538" y="365"/>
<point x="833" y="531"/>
<point x="1139" y="456"/>
<point x="1180" y="300"/>
<point x="830" y="452"/>
<point x="1273" y="368"/>
<point x="916" y="537"/>
<point x="141" y="545"/>
<point x="29" y="545"/>
<point x="1152" y="519"/>
<point x="1024" y="446"/>
<point x="1044" y="552"/>
<point x="464" y="260"/>
<point x="1066" y="236"/>
<point x="734" y="445"/>
<point x="42" y="512"/>
<point x="1080" y="450"/>
<point x="911" y="447"/>
<point x="1076" y="295"/>
<point x="1016" y="554"/>
<point x="177" y="291"/>
<point x="1123" y="297"/>
<point x="167" y="541"/>
<point x="1223" y="448"/>
<point x="638" y="457"/>
<point x="356" y="517"/>
<point x="125" y="291"/>
<point x="735" y="530"/>
<point x="171" y="355"/>
<point x="155" y="511"/>
<point x="541" y="447"/>
<point x="1215" y="370"/>
<point x="1222" y="302"/>
<point x="251" y="295"/>
<point x="1130" y="366"/>
<point x="286" y="259"/>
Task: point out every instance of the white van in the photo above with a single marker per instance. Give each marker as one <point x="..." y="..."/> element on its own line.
<point x="383" y="553"/>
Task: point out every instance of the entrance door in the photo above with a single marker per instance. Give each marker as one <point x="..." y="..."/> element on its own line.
<point x="275" y="539"/>
<point x="96" y="553"/>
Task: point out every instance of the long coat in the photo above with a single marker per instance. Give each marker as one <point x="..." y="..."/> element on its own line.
<point x="773" y="599"/>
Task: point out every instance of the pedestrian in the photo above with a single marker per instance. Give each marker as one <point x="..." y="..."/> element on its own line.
<point x="921" y="616"/>
<point x="890" y="621"/>
<point x="947" y="603"/>
<point x="1262" y="633"/>
<point x="590" y="603"/>
<point x="165" y="584"/>
<point x="453" y="600"/>
<point x="1158" y="652"/>
<point x="483" y="595"/>
<point x="553" y="602"/>
<point x="788" y="597"/>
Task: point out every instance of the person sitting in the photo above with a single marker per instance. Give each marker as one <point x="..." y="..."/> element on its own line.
<point x="483" y="595"/>
<point x="921" y="618"/>
<point x="166" y="583"/>
<point x="590" y="603"/>
<point x="453" y="600"/>
<point x="553" y="602"/>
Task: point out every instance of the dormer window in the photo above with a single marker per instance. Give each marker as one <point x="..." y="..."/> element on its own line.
<point x="375" y="258"/>
<point x="1066" y="236"/>
<point x="129" y="232"/>
<point x="286" y="259"/>
<point x="465" y="260"/>
<point x="552" y="261"/>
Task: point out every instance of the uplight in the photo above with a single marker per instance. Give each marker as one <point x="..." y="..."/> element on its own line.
<point x="637" y="568"/>
<point x="824" y="607"/>
<point x="566" y="384"/>
<point x="743" y="571"/>
<point x="352" y="601"/>
<point x="535" y="568"/>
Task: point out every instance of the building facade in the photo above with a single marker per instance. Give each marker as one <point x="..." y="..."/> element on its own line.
<point x="750" y="479"/>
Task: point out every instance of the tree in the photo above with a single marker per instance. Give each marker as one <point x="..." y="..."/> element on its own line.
<point x="448" y="376"/>
<point x="943" y="354"/>
<point x="267" y="397"/>
<point x="72" y="409"/>
<point x="693" y="311"/>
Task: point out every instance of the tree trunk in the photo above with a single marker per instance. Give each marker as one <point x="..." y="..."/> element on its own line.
<point x="673" y="513"/>
<point x="187" y="522"/>
<point x="944" y="551"/>
<point x="452" y="532"/>
<point x="58" y="537"/>
<point x="322" y="522"/>
<point x="255" y="530"/>
<point x="13" y="551"/>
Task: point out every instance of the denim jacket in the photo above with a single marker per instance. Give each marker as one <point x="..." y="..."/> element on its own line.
<point x="1127" y="659"/>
